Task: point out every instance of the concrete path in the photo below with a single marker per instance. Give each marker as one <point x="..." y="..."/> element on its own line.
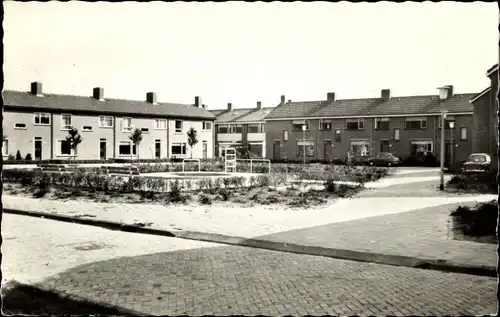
<point x="193" y="278"/>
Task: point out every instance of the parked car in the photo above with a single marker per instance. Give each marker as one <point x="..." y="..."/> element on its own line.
<point x="384" y="159"/>
<point x="477" y="163"/>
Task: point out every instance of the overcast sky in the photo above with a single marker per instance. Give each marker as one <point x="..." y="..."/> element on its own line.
<point x="248" y="52"/>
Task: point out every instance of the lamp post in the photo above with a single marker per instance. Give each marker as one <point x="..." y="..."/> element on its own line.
<point x="443" y="94"/>
<point x="304" y="144"/>
<point x="452" y="125"/>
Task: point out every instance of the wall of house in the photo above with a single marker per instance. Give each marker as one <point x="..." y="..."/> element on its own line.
<point x="481" y="123"/>
<point x="493" y="118"/>
<point x="181" y="137"/>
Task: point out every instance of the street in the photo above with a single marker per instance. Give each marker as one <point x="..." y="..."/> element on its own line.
<point x="158" y="275"/>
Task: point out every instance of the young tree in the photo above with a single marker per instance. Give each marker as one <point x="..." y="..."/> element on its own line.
<point x="74" y="138"/>
<point x="192" y="139"/>
<point x="136" y="138"/>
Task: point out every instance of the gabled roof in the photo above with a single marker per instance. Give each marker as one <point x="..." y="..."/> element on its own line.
<point x="255" y="116"/>
<point x="229" y="116"/>
<point x="479" y="95"/>
<point x="395" y="106"/>
<point x="20" y="100"/>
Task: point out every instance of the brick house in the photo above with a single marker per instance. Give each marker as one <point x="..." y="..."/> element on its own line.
<point x="403" y="126"/>
<point x="242" y="129"/>
<point x="485" y="104"/>
<point x="37" y="124"/>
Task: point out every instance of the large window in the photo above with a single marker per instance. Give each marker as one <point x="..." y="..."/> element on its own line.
<point x="64" y="148"/>
<point x="355" y="124"/>
<point x="65" y="122"/>
<point x="360" y="147"/>
<point x="222" y="128"/>
<point x="256" y="128"/>
<point x="20" y="126"/>
<point x="106" y="121"/>
<point x="396" y="134"/>
<point x="421" y="146"/>
<point x="236" y="128"/>
<point x="325" y="125"/>
<point x="297" y="125"/>
<point x="307" y="145"/>
<point x="178" y="126"/>
<point x="415" y="123"/>
<point x="5" y="147"/>
<point x="285" y="135"/>
<point x="178" y="148"/>
<point x="207" y="125"/>
<point x="160" y="124"/>
<point x="381" y="124"/>
<point x="126" y="124"/>
<point x="42" y="118"/>
<point x="463" y="134"/>
<point x="126" y="148"/>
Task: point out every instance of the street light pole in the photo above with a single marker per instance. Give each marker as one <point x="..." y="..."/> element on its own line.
<point x="443" y="94"/>
<point x="452" y="125"/>
<point x="304" y="143"/>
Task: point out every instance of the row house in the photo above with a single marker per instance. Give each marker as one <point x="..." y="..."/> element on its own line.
<point x="404" y="126"/>
<point x="242" y="129"/>
<point x="36" y="123"/>
<point x="485" y="104"/>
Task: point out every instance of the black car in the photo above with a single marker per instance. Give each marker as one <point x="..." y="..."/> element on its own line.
<point x="477" y="163"/>
<point x="384" y="159"/>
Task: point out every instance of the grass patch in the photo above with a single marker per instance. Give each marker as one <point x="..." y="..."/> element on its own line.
<point x="485" y="183"/>
<point x="479" y="221"/>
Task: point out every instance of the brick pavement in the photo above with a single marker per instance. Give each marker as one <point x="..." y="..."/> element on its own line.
<point x="205" y="278"/>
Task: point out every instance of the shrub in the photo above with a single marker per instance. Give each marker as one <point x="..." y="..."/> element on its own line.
<point x="263" y="181"/>
<point x="18" y="156"/>
<point x="175" y="194"/>
<point x="11" y="157"/>
<point x="226" y="181"/>
<point x="224" y="194"/>
<point x="189" y="184"/>
<point x="480" y="182"/>
<point x="204" y="199"/>
<point x="28" y="157"/>
<point x="478" y="221"/>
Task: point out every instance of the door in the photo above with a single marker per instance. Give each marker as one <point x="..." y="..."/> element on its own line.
<point x="328" y="151"/>
<point x="448" y="153"/>
<point x="157" y="149"/>
<point x="384" y="146"/>
<point x="38" y="149"/>
<point x="102" y="149"/>
<point x="205" y="149"/>
<point x="276" y="149"/>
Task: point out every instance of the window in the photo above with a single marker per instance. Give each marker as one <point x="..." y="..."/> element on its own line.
<point x="297" y="125"/>
<point x="360" y="147"/>
<point x="87" y="128"/>
<point x="178" y="148"/>
<point x="106" y="121"/>
<point x="65" y="121"/>
<point x="307" y="145"/>
<point x="463" y="134"/>
<point x="447" y="121"/>
<point x="42" y="118"/>
<point x="160" y="124"/>
<point x="381" y="124"/>
<point x="126" y="124"/>
<point x="178" y="126"/>
<point x="145" y="130"/>
<point x="126" y="148"/>
<point x="256" y="128"/>
<point x="20" y="126"/>
<point x="420" y="147"/>
<point x="64" y="148"/>
<point x="207" y="125"/>
<point x="5" y="147"/>
<point x="325" y="124"/>
<point x="285" y="135"/>
<point x="396" y="134"/>
<point x="415" y="123"/>
<point x="338" y="135"/>
<point x="355" y="124"/>
<point x="236" y="128"/>
<point x="222" y="128"/>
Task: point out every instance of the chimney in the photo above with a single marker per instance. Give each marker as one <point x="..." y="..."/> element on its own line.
<point x="151" y="98"/>
<point x="204" y="106"/>
<point x="282" y="100"/>
<point x="229" y="107"/>
<point x="445" y="92"/>
<point x="450" y="91"/>
<point x="197" y="101"/>
<point x="385" y="94"/>
<point x="98" y="93"/>
<point x="259" y="105"/>
<point x="36" y="88"/>
<point x="330" y="96"/>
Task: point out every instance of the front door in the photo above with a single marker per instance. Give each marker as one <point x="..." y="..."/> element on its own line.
<point x="384" y="146"/>
<point x="38" y="149"/>
<point x="157" y="149"/>
<point x="102" y="149"/>
<point x="448" y="154"/>
<point x="328" y="150"/>
<point x="276" y="149"/>
<point x="205" y="149"/>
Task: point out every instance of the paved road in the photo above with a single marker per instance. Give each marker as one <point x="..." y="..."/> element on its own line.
<point x="196" y="278"/>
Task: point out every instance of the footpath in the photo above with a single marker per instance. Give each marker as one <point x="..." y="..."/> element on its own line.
<point x="402" y="220"/>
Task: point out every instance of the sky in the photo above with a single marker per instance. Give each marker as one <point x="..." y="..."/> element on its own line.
<point x="242" y="53"/>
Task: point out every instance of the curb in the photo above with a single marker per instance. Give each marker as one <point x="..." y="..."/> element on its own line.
<point x="52" y="290"/>
<point x="360" y="256"/>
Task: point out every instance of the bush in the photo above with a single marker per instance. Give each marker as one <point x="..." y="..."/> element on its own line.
<point x="18" y="156"/>
<point x="478" y="221"/>
<point x="224" y="194"/>
<point x="28" y="157"/>
<point x="204" y="199"/>
<point x="175" y="195"/>
<point x="480" y="182"/>
<point x="420" y="159"/>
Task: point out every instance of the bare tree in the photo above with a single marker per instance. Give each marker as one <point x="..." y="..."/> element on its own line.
<point x="136" y="138"/>
<point x="192" y="139"/>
